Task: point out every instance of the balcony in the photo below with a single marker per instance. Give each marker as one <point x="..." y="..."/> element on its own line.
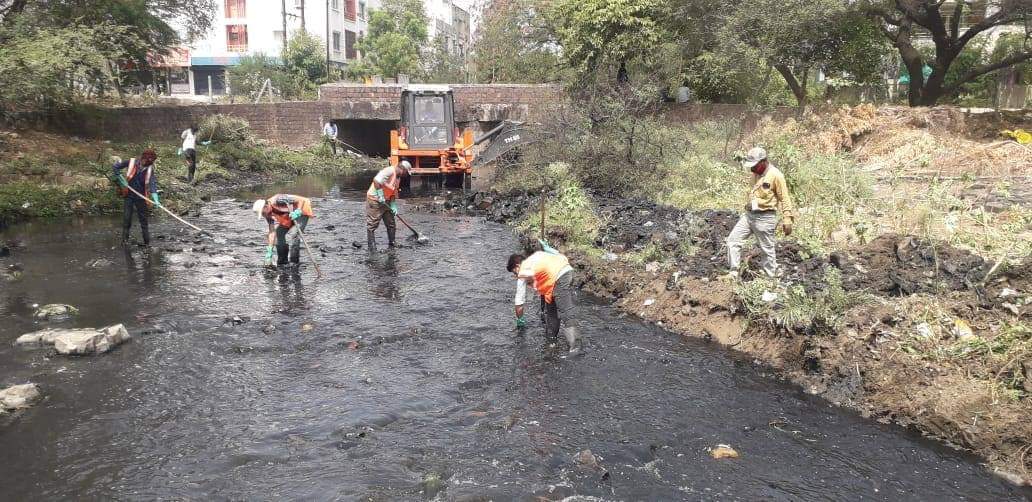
<point x="236" y="47"/>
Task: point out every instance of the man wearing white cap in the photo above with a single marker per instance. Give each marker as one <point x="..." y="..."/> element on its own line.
<point x="381" y="202"/>
<point x="769" y="194"/>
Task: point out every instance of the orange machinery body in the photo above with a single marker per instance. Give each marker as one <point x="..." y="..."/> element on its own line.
<point x="457" y="159"/>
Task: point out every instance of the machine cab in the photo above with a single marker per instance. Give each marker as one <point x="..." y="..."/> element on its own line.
<point x="428" y="117"/>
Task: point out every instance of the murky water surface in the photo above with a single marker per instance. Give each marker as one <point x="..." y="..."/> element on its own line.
<point x="393" y="371"/>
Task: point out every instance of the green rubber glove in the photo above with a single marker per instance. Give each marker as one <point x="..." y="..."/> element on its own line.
<point x="295" y="214"/>
<point x="122" y="181"/>
<point x="379" y="196"/>
<point x="394" y="207"/>
<point x="521" y="321"/>
<point x="546" y="248"/>
<point x="179" y="152"/>
<point x="154" y="197"/>
<point x="206" y="143"/>
<point x="268" y="253"/>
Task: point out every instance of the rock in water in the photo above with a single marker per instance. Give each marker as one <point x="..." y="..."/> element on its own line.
<point x="723" y="451"/>
<point x="585" y="458"/>
<point x="55" y="311"/>
<point x="19" y="396"/>
<point x="78" y="341"/>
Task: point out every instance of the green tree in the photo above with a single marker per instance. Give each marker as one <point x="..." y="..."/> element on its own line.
<point x="952" y="26"/>
<point x="441" y="65"/>
<point x="305" y="57"/>
<point x="397" y="33"/>
<point x="798" y="37"/>
<point x="596" y="35"/>
<point x="515" y="45"/>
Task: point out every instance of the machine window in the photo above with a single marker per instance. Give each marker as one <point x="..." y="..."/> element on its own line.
<point x="430" y="110"/>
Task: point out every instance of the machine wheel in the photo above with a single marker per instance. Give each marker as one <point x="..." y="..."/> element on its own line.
<point x="454" y="180"/>
<point x="467" y="182"/>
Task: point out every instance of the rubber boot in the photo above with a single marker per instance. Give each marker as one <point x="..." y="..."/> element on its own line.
<point x="281" y="254"/>
<point x="390" y="236"/>
<point x="146" y="234"/>
<point x="574" y="339"/>
<point x="371" y="240"/>
<point x="295" y="254"/>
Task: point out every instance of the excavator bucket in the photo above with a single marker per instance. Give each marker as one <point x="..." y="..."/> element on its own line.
<point x="502" y="139"/>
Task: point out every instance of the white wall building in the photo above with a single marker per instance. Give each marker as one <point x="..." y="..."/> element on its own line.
<point x="250" y="27"/>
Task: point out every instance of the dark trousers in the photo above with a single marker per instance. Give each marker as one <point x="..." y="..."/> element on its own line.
<point x="134" y="203"/>
<point x="191" y="163"/>
<point x="333" y="145"/>
<point x="375" y="213"/>
<point x="560" y="311"/>
<point x="289" y="239"/>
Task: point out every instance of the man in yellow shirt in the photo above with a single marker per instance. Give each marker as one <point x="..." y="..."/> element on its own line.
<point x="769" y="194"/>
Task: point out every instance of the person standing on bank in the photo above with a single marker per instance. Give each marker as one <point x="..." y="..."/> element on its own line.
<point x="330" y="132"/>
<point x="287" y="216"/>
<point x="381" y="203"/>
<point x="190" y="151"/>
<point x="768" y="195"/>
<point x="144" y="183"/>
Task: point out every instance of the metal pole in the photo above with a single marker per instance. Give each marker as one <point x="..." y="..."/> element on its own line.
<point x="302" y="15"/>
<point x="209" y="89"/>
<point x="283" y="3"/>
<point x="327" y="39"/>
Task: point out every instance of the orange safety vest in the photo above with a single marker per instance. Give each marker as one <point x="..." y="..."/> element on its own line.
<point x="546" y="268"/>
<point x="390" y="189"/>
<point x="131" y="172"/>
<point x="281" y="212"/>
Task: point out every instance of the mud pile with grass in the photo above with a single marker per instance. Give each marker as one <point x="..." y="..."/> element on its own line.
<point x="903" y="329"/>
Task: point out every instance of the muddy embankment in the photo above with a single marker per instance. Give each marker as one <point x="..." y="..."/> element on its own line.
<point x="869" y="359"/>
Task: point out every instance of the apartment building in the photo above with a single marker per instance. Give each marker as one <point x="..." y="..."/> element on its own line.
<point x="250" y="27"/>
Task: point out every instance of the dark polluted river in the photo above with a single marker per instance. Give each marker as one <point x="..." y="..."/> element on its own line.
<point x="398" y="377"/>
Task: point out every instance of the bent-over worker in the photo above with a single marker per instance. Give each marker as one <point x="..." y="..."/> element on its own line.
<point x="189" y="136"/>
<point x="550" y="273"/>
<point x="768" y="195"/>
<point x="287" y="216"/>
<point x="381" y="203"/>
<point x="141" y="179"/>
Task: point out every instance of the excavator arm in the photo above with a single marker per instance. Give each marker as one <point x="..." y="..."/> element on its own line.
<point x="502" y="139"/>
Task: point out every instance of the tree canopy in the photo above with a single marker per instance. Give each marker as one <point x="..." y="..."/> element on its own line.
<point x="394" y="42"/>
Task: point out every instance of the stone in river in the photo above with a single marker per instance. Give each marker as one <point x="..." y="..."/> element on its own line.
<point x="78" y="341"/>
<point x="19" y="396"/>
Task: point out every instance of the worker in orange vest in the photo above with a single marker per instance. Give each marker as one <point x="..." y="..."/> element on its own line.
<point x="381" y="202"/>
<point x="144" y="183"/>
<point x="551" y="275"/>
<point x="287" y="216"/>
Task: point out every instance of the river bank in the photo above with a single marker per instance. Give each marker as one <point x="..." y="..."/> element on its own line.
<point x="878" y="327"/>
<point x="48" y="175"/>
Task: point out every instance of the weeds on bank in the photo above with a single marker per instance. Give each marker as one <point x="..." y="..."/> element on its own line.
<point x="570" y="213"/>
<point x="795" y="308"/>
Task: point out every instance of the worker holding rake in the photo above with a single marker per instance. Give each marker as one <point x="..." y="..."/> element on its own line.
<point x="139" y="186"/>
<point x="381" y="203"/>
<point x="287" y="216"/>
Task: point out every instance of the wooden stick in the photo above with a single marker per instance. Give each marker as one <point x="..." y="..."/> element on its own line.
<point x="162" y="207"/>
<point x="318" y="273"/>
<point x="543" y="237"/>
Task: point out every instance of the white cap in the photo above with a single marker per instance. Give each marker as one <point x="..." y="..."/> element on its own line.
<point x="754" y="157"/>
<point x="258" y="206"/>
<point x="405" y="165"/>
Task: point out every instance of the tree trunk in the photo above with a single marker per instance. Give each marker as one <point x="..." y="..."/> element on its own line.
<point x="797" y="90"/>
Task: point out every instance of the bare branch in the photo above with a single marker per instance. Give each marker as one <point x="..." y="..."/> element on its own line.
<point x="989" y="68"/>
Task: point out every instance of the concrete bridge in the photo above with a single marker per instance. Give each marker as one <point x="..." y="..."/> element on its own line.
<point x="364" y="114"/>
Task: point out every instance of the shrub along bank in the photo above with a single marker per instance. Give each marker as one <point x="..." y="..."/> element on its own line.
<point x="904" y="296"/>
<point x="46" y="175"/>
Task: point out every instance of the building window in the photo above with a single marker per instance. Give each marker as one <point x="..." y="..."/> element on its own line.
<point x="349" y="45"/>
<point x="349" y="9"/>
<point x="361" y="10"/>
<point x="236" y="9"/>
<point x="335" y="4"/>
<point x="336" y="41"/>
<point x="299" y="3"/>
<point x="236" y="38"/>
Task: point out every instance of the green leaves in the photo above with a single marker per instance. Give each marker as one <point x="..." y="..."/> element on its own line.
<point x="397" y="31"/>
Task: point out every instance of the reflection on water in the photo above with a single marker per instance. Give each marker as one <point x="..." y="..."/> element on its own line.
<point x="394" y="368"/>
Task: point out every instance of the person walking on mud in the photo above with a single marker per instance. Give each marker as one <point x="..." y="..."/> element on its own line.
<point x="381" y="203"/>
<point x="551" y="275"/>
<point x="139" y="186"/>
<point x="189" y="136"/>
<point x="768" y="195"/>
<point x="287" y="216"/>
<point x="329" y="131"/>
